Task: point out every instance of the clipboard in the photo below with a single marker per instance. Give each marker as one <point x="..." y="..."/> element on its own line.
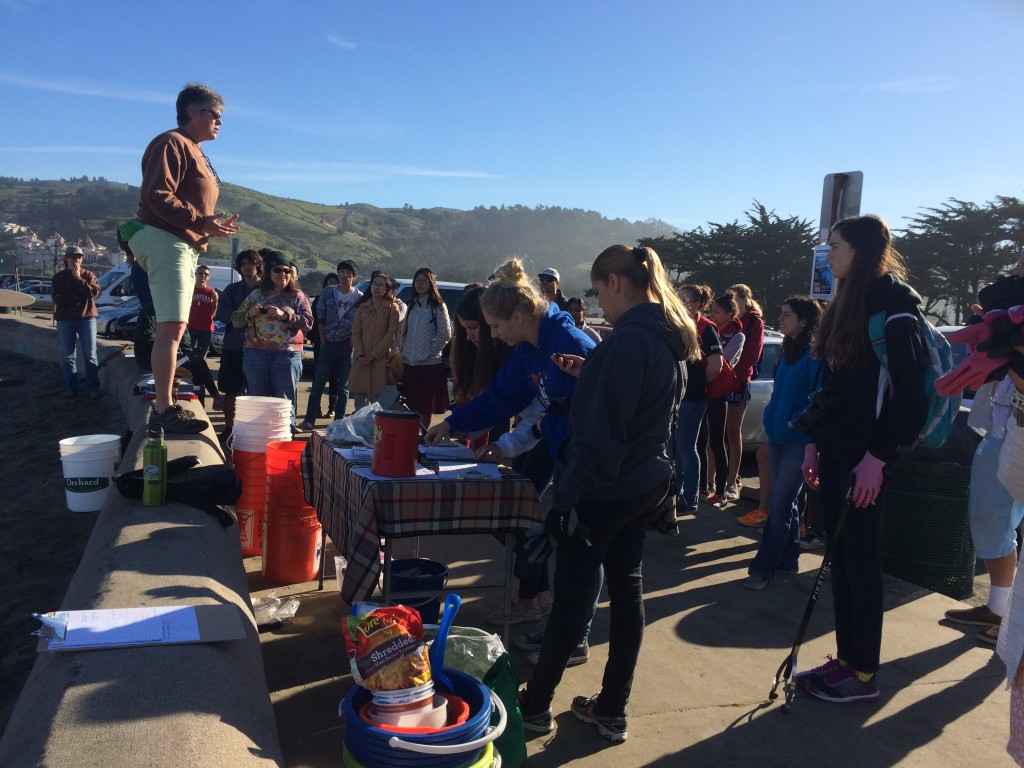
<point x="107" y="628"/>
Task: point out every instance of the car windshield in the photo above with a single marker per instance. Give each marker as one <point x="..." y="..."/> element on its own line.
<point x="110" y="278"/>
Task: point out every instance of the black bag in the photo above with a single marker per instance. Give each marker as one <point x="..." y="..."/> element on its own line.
<point x="205" y="488"/>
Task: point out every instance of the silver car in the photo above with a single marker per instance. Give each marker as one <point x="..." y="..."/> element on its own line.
<point x="761" y="392"/>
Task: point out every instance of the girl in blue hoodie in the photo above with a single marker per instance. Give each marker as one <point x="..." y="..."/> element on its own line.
<point x="794" y="381"/>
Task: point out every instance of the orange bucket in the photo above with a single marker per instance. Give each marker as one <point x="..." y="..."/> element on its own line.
<point x="396" y="437"/>
<point x="291" y="549"/>
<point x="250" y="529"/>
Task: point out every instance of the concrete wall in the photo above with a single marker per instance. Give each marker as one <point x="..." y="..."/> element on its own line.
<point x="181" y="705"/>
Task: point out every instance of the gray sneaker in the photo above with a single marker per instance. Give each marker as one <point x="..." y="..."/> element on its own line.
<point x="612" y="727"/>
<point x="580" y="655"/>
<point x="534" y="720"/>
<point x="532" y="641"/>
<point x="177" y="421"/>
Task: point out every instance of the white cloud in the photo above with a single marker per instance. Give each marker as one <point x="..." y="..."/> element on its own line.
<point x="934" y="84"/>
<point x="69" y="149"/>
<point x="85" y="88"/>
<point x="340" y="42"/>
<point x="323" y="172"/>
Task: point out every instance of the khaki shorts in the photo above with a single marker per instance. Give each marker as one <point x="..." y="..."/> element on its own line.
<point x="171" y="264"/>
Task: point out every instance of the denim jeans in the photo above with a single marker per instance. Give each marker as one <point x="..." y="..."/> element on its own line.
<point x="334" y="361"/>
<point x="687" y="459"/>
<point x="856" y="569"/>
<point x="616" y="542"/>
<point x="85" y="332"/>
<point x="273" y="373"/>
<point x="780" y="545"/>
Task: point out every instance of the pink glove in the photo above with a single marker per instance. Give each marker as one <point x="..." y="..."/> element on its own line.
<point x="971" y="373"/>
<point x="810" y="465"/>
<point x="869" y="481"/>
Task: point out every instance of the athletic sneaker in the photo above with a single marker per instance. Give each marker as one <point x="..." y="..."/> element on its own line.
<point x="755" y="583"/>
<point x="581" y="655"/>
<point x="732" y="492"/>
<point x="534" y="720"/>
<point x="812" y="543"/>
<point x="612" y="727"/>
<point x="753" y="519"/>
<point x="843" y="686"/>
<point x="826" y="669"/>
<point x="716" y="500"/>
<point x="532" y="641"/>
<point x="177" y="420"/>
<point x="979" y="616"/>
<point x="517" y="615"/>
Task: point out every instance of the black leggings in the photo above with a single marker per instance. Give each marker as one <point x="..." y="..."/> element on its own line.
<point x="717" y="410"/>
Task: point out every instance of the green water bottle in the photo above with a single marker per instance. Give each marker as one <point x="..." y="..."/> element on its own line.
<point x="154" y="469"/>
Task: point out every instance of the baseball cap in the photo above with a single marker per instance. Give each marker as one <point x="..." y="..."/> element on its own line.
<point x="74" y="251"/>
<point x="551" y="272"/>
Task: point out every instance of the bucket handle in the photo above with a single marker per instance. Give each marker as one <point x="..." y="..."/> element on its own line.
<point x="453" y="749"/>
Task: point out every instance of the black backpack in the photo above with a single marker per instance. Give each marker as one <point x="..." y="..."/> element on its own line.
<point x="205" y="488"/>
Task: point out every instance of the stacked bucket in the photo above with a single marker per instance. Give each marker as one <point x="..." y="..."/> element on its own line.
<point x="291" y="531"/>
<point x="258" y="421"/>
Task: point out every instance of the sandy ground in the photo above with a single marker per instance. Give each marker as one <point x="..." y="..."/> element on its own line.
<point x="41" y="542"/>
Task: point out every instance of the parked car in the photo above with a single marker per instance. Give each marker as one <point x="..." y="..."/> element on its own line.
<point x="450" y="292"/>
<point x="959" y="353"/>
<point x="761" y="392"/>
<point x="217" y="337"/>
<point x="108" y="317"/>
<point x="41" y="294"/>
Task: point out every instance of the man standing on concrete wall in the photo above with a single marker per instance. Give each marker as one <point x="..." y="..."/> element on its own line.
<point x="178" y="208"/>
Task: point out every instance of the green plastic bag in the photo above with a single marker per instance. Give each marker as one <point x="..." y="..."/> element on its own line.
<point x="503" y="680"/>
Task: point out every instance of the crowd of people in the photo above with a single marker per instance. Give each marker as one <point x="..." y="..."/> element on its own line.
<point x="619" y="427"/>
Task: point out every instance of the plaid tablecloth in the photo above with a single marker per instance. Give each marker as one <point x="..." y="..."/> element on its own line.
<point x="357" y="512"/>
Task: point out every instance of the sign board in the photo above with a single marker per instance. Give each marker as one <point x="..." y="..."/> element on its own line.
<point x="840" y="198"/>
<point x="822" y="286"/>
<point x="236" y="247"/>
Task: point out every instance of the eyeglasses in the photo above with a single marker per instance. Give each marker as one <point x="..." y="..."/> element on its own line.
<point x="211" y="113"/>
<point x="282" y="270"/>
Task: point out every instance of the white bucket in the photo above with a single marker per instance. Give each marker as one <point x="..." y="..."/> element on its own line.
<point x="259" y="409"/>
<point x="88" y="463"/>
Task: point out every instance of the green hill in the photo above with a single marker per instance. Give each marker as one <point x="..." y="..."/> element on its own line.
<point x="457" y="245"/>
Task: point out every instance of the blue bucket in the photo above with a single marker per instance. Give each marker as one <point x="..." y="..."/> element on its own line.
<point x="371" y="746"/>
<point x="420" y="575"/>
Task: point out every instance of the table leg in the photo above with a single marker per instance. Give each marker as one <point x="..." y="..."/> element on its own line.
<point x="510" y="542"/>
<point x="387" y="571"/>
<point x="323" y="558"/>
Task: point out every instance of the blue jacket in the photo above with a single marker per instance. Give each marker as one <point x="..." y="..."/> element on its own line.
<point x="793" y="384"/>
<point x="527" y="374"/>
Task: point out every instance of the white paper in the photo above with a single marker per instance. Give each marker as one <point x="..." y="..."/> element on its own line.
<point x="128" y="626"/>
<point x="468" y="471"/>
<point x="422" y="473"/>
<point x="356" y="454"/>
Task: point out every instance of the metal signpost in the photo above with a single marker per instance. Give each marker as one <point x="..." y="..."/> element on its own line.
<point x="840" y="198"/>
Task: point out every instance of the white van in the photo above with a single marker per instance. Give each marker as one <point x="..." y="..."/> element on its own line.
<point x="116" y="285"/>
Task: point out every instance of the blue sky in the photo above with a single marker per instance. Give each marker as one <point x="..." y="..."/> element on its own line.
<point x="683" y="111"/>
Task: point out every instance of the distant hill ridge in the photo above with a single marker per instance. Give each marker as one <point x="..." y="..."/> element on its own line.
<point x="457" y="245"/>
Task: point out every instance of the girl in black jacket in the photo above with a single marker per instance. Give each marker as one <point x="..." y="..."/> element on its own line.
<point x="867" y="421"/>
